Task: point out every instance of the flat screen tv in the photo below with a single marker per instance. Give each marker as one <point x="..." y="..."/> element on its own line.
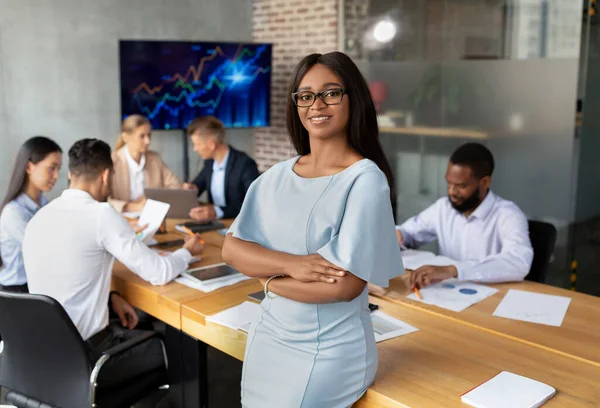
<point x="173" y="82"/>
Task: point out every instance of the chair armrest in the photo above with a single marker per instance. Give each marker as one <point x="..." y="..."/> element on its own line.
<point x="113" y="352"/>
<point x="129" y="344"/>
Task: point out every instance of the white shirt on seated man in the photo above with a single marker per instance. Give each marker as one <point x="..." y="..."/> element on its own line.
<point x="69" y="250"/>
<point x="487" y="235"/>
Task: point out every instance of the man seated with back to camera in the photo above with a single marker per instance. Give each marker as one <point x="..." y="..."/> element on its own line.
<point x="487" y="235"/>
<point x="75" y="266"/>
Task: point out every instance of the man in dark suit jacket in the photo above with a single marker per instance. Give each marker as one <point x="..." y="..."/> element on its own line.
<point x="227" y="172"/>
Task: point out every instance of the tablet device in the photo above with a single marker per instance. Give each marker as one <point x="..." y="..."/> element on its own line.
<point x="199" y="227"/>
<point x="258" y="296"/>
<point x="210" y="273"/>
<point x="181" y="201"/>
<point x="168" y="244"/>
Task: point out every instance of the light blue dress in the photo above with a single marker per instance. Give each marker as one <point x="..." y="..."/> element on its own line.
<point x="317" y="355"/>
<point x="13" y="220"/>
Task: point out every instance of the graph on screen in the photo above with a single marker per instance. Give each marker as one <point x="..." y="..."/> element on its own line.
<point x="173" y="82"/>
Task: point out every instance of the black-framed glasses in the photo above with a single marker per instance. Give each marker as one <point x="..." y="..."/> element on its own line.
<point x="306" y="99"/>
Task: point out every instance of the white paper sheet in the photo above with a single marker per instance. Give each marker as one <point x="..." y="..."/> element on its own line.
<point x="245" y="327"/>
<point x="414" y="259"/>
<point x="132" y="214"/>
<point x="237" y="317"/>
<point x="153" y="215"/>
<point x="162" y="252"/>
<point x="212" y="286"/>
<point x="387" y="327"/>
<point x="533" y="307"/>
<point x="453" y="295"/>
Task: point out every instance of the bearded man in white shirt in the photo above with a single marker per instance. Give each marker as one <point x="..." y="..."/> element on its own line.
<point x="487" y="235"/>
<point x="69" y="250"/>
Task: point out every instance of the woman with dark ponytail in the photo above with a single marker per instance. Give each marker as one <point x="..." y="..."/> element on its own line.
<point x="35" y="171"/>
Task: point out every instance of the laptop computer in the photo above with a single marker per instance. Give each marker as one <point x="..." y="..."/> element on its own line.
<point x="181" y="201"/>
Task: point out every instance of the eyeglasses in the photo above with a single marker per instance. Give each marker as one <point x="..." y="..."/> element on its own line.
<point x="306" y="99"/>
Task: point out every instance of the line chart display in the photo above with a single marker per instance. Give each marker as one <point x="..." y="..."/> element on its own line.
<point x="173" y="82"/>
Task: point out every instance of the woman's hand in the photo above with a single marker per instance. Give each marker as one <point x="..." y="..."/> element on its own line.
<point x="313" y="268"/>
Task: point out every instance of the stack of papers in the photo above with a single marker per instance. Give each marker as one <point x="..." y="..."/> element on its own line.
<point x="533" y="307"/>
<point x="238" y="317"/>
<point x="413" y="259"/>
<point x="453" y="295"/>
<point x="209" y="286"/>
<point x="386" y="327"/>
<point x="509" y="390"/>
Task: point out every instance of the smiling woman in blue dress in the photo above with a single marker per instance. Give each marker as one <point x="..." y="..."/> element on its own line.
<point x="316" y="229"/>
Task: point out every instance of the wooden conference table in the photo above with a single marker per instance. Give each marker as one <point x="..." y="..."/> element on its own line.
<point x="578" y="337"/>
<point x="450" y="354"/>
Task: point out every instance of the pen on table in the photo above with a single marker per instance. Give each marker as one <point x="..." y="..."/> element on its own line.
<point x="191" y="233"/>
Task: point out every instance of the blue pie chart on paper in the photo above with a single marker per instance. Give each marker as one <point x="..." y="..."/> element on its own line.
<point x="448" y="286"/>
<point x="467" y="291"/>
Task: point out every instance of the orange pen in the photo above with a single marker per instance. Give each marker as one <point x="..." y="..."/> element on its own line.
<point x="191" y="233"/>
<point x="417" y="293"/>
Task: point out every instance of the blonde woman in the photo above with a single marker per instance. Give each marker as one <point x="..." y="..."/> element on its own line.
<point x="136" y="167"/>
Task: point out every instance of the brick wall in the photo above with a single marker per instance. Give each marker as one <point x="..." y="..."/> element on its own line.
<point x="296" y="28"/>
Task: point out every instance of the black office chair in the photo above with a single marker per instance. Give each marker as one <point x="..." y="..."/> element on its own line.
<point x="45" y="363"/>
<point x="543" y="240"/>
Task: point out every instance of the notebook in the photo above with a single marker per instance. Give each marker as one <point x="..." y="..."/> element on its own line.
<point x="509" y="390"/>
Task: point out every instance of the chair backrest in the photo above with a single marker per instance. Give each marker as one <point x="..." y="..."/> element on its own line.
<point x="543" y="240"/>
<point x="44" y="356"/>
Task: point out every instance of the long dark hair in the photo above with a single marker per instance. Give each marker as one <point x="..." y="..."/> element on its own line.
<point x="33" y="150"/>
<point x="362" y="130"/>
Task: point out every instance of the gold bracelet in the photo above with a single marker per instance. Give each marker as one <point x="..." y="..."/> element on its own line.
<point x="267" y="284"/>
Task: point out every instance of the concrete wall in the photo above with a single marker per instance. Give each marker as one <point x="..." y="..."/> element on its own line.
<point x="59" y="67"/>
